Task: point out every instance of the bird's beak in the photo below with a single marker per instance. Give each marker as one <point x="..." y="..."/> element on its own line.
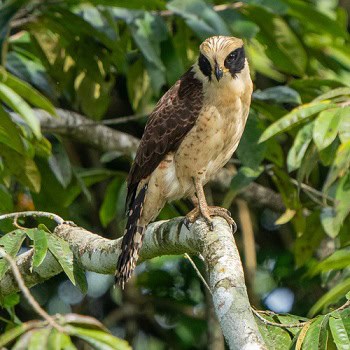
<point x="218" y="72"/>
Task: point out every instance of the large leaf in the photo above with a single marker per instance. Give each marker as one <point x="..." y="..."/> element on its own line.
<point x="275" y="338"/>
<point x="311" y="17"/>
<point x="249" y="151"/>
<point x="282" y="45"/>
<point x="13" y="333"/>
<point x="331" y="296"/>
<point x="109" y="206"/>
<point x="278" y="94"/>
<point x="11" y="243"/>
<point x="326" y="127"/>
<point x="340" y="335"/>
<point x="62" y="252"/>
<point x="39" y="338"/>
<point x="242" y="179"/>
<point x="340" y="165"/>
<point x="200" y="17"/>
<point x="10" y="133"/>
<point x="40" y="246"/>
<point x="344" y="127"/>
<point x="60" y="165"/>
<point x="26" y="91"/>
<point x="317" y="334"/>
<point x="6" y="202"/>
<point x="99" y="339"/>
<point x="294" y="118"/>
<point x="301" y="143"/>
<point x="306" y="244"/>
<point x="17" y="103"/>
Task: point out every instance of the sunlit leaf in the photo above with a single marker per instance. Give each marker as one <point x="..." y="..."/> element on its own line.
<point x="326" y="127"/>
<point x="301" y="143"/>
<point x="40" y="246"/>
<point x="100" y="339"/>
<point x="294" y="118"/>
<point x="285" y="217"/>
<point x="317" y="334"/>
<point x="26" y="91"/>
<point x="340" y="335"/>
<point x="331" y="296"/>
<point x="11" y="243"/>
<point x="19" y="105"/>
<point x="340" y="165"/>
<point x="39" y="338"/>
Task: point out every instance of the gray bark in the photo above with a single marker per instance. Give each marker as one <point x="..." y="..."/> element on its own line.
<point x="218" y="247"/>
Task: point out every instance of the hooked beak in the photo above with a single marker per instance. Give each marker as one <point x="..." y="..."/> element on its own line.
<point x="218" y="72"/>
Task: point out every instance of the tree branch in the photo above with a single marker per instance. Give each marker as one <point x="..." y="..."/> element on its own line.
<point x="225" y="273"/>
<point x="84" y="130"/>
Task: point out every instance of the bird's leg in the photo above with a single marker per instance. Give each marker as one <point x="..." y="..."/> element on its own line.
<point x="193" y="215"/>
<point x="202" y="209"/>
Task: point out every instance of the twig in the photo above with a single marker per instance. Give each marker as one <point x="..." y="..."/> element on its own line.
<point x="39" y="310"/>
<point x="292" y="325"/>
<point x="275" y="324"/>
<point x="198" y="272"/>
<point x="115" y="121"/>
<point x="45" y="214"/>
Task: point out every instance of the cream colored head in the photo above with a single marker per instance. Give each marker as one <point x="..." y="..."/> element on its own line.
<point x="220" y="56"/>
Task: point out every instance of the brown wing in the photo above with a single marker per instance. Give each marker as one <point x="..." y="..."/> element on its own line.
<point x="173" y="117"/>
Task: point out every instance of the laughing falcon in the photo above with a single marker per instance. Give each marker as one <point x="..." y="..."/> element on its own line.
<point x="192" y="133"/>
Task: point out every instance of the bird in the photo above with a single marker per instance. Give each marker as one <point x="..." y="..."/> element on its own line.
<point x="192" y="133"/>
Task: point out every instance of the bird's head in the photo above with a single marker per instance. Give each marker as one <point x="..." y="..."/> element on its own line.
<point x="221" y="56"/>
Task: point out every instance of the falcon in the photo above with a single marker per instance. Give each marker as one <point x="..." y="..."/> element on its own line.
<point x="192" y="133"/>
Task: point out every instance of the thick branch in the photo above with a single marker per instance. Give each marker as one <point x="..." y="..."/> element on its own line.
<point x="86" y="131"/>
<point x="218" y="248"/>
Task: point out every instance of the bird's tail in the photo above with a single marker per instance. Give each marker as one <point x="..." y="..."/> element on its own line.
<point x="132" y="240"/>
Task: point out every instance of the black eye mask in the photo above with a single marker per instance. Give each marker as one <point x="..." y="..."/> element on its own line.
<point x="235" y="60"/>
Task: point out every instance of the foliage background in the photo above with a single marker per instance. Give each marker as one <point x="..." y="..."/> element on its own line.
<point x="110" y="59"/>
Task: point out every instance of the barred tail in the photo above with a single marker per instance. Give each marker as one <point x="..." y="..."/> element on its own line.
<point x="132" y="240"/>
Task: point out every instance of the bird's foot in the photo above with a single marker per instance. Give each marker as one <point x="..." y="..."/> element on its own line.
<point x="207" y="213"/>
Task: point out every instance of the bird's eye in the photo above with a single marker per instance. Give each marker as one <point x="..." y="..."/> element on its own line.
<point x="232" y="56"/>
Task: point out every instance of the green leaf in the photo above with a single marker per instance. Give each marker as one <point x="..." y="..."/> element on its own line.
<point x="11" y="243"/>
<point x="278" y="94"/>
<point x="200" y="17"/>
<point x="330" y="297"/>
<point x="99" y="339"/>
<point x="10" y="300"/>
<point x="26" y="91"/>
<point x="294" y="118"/>
<point x="333" y="93"/>
<point x="317" y="334"/>
<point x="306" y="244"/>
<point x="301" y="143"/>
<point x="286" y="217"/>
<point x="109" y="206"/>
<point x="10" y="133"/>
<point x="275" y="338"/>
<point x="13" y="333"/>
<point x="17" y="103"/>
<point x="344" y="127"/>
<point x="242" y="179"/>
<point x="250" y="152"/>
<point x="326" y="127"/>
<point x="62" y="252"/>
<point x="60" y="165"/>
<point x="22" y="167"/>
<point x="282" y="45"/>
<point x="340" y="334"/>
<point x="39" y="338"/>
<point x="340" y="259"/>
<point x="340" y="165"/>
<point x="84" y="321"/>
<point x="6" y="203"/>
<point x="58" y="341"/>
<point x="309" y="15"/>
<point x="40" y="246"/>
